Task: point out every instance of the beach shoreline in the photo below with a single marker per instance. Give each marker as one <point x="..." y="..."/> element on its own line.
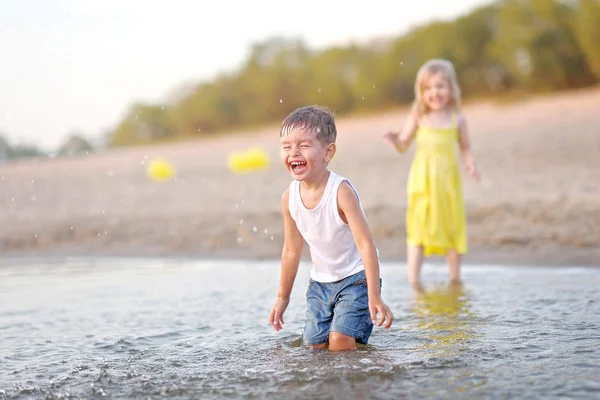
<point x="537" y="202"/>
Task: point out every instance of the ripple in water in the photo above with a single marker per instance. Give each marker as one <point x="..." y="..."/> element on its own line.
<point x="170" y="329"/>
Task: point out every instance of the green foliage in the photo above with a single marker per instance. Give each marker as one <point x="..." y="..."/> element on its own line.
<point x="75" y="145"/>
<point x="10" y="152"/>
<point x="512" y="45"/>
<point x="586" y="23"/>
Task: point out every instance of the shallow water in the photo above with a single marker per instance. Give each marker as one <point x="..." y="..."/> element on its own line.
<point x="192" y="329"/>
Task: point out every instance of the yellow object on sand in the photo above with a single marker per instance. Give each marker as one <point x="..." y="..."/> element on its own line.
<point x="160" y="170"/>
<point x="435" y="217"/>
<point x="253" y="159"/>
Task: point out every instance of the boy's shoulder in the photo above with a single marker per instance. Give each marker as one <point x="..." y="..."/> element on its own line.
<point x="346" y="192"/>
<point x="285" y="198"/>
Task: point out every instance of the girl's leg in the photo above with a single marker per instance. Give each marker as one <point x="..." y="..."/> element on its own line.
<point x="453" y="259"/>
<point x="414" y="260"/>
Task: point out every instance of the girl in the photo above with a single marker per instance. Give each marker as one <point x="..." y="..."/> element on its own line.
<point x="435" y="220"/>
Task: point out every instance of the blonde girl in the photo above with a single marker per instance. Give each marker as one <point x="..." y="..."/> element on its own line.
<point x="435" y="219"/>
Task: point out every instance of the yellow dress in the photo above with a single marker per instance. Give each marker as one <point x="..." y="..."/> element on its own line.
<point x="435" y="217"/>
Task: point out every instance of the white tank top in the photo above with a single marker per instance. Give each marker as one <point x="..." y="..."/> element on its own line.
<point x="332" y="249"/>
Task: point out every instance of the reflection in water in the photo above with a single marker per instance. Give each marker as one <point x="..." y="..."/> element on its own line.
<point x="444" y="316"/>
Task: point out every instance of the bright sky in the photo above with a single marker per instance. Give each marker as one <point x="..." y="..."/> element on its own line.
<point x="78" y="64"/>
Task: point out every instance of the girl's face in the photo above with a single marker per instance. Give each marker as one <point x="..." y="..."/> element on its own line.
<point x="303" y="155"/>
<point x="437" y="92"/>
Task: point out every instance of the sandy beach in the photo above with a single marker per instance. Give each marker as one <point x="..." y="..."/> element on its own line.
<point x="538" y="202"/>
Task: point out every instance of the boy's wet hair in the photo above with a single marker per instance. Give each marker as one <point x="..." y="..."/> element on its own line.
<point x="311" y="118"/>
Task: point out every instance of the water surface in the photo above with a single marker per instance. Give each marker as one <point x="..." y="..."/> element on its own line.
<point x="198" y="329"/>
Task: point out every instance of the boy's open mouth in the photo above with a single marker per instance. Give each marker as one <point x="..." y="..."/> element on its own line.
<point x="297" y="166"/>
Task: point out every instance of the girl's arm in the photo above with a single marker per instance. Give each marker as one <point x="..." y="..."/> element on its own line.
<point x="402" y="140"/>
<point x="465" y="148"/>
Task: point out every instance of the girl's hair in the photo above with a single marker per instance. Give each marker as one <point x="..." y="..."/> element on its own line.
<point x="426" y="71"/>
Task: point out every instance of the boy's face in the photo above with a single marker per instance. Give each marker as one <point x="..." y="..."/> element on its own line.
<point x="303" y="155"/>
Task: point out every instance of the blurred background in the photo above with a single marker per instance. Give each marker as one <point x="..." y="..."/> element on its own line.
<point x="91" y="92"/>
<point x="82" y="75"/>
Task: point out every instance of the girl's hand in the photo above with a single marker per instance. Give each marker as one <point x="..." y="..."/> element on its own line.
<point x="472" y="170"/>
<point x="391" y="137"/>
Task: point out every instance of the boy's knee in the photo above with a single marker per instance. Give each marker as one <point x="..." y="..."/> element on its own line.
<point x="339" y="341"/>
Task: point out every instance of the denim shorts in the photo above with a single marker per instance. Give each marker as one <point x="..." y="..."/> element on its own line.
<point x="341" y="306"/>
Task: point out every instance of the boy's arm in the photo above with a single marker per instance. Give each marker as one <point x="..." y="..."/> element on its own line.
<point x="351" y="212"/>
<point x="290" y="260"/>
<point x="402" y="140"/>
<point x="465" y="147"/>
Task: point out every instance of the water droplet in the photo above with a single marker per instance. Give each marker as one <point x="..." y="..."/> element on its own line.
<point x="121" y="200"/>
<point x="35" y="235"/>
<point x="33" y="180"/>
<point x="401" y="63"/>
<point x="363" y="97"/>
<point x="71" y="228"/>
<point x="242" y="201"/>
<point x="237" y="205"/>
<point x="280" y="101"/>
<point x="241" y="221"/>
<point x="162" y="107"/>
<point x="13" y="199"/>
<point x="271" y="237"/>
<point x="105" y="232"/>
<point x="239" y="240"/>
<point x="266" y="231"/>
<point x="373" y="86"/>
<point x="319" y="90"/>
<point x="254" y="229"/>
<point x="33" y="198"/>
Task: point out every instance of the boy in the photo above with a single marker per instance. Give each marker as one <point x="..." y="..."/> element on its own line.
<point x="323" y="208"/>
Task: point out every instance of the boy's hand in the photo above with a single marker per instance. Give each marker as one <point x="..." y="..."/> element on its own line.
<point x="377" y="306"/>
<point x="276" y="316"/>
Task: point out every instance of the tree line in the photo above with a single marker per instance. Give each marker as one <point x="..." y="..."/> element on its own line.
<point x="508" y="46"/>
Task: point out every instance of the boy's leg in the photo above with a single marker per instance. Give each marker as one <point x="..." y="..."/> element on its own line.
<point x="453" y="259"/>
<point x="414" y="259"/>
<point x="351" y="319"/>
<point x="339" y="341"/>
<point x="319" y="314"/>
